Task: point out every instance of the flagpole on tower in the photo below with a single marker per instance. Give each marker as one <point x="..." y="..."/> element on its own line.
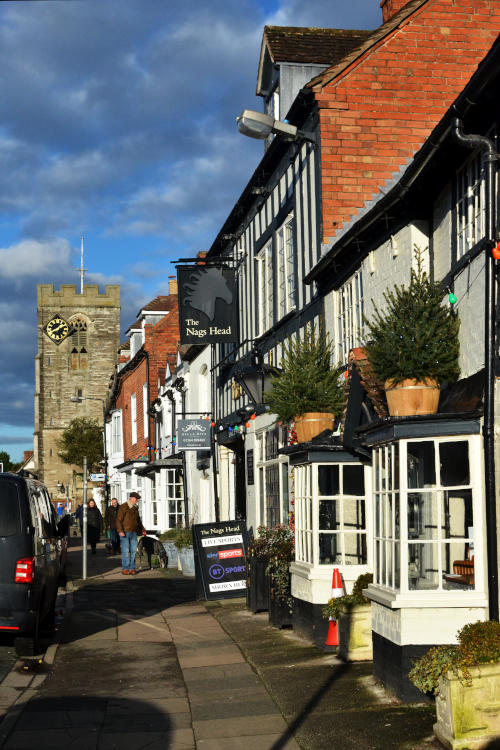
<point x="82" y="269"/>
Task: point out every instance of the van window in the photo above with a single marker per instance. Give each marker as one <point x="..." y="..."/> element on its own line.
<point x="10" y="512"/>
<point x="42" y="517"/>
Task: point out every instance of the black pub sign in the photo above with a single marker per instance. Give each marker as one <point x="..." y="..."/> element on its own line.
<point x="207" y="304"/>
<point x="220" y="557"/>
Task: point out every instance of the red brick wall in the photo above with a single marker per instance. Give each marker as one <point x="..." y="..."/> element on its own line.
<point x="391" y="7"/>
<point x="375" y="115"/>
<point x="132" y="382"/>
<point x="161" y="342"/>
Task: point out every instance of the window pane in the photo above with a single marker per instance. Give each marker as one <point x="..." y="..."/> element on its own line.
<point x="329" y="514"/>
<point x="355" y="549"/>
<point x="397" y="566"/>
<point x="458" y="569"/>
<point x="422" y="515"/>
<point x="328" y="480"/>
<point x="354" y="514"/>
<point x="10" y="515"/>
<point x="354" y="480"/>
<point x="454" y="463"/>
<point x="457" y="514"/>
<point x="423" y="569"/>
<point x="329" y="549"/>
<point x="421" y="467"/>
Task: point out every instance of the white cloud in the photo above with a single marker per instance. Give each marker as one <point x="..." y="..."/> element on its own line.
<point x="33" y="258"/>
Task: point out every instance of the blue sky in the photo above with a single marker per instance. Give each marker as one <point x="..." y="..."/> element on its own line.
<point x="117" y="122"/>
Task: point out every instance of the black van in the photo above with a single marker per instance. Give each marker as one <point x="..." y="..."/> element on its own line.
<point x="32" y="559"/>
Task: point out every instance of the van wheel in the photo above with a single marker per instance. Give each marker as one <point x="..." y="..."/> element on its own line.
<point x="29" y="645"/>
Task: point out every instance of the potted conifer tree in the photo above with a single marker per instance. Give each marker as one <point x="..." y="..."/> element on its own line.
<point x="308" y="390"/>
<point x="413" y="344"/>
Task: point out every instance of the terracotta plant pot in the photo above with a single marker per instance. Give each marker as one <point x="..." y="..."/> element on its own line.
<point x="311" y="423"/>
<point x="411" y="397"/>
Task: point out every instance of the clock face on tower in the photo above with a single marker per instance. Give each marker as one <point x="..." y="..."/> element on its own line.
<point x="57" y="329"/>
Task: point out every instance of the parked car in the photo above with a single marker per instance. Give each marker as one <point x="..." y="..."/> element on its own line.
<point x="32" y="561"/>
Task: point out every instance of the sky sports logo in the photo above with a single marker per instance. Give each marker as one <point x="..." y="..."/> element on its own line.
<point x="224" y="554"/>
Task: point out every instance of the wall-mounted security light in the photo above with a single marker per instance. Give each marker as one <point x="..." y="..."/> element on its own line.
<point x="261" y="126"/>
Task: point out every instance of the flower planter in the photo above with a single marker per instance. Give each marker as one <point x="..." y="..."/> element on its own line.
<point x="469" y="716"/>
<point x="311" y="423"/>
<point x="355" y="634"/>
<point x="280" y="610"/>
<point x="172" y="553"/>
<point x="411" y="397"/>
<point x="186" y="560"/>
<point x="257" y="585"/>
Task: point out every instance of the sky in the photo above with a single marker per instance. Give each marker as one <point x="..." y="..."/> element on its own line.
<point x="117" y="123"/>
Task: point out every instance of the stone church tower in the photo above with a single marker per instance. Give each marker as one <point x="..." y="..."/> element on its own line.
<point x="78" y="336"/>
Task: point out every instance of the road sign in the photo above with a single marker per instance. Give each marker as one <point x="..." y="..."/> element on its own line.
<point x="97" y="477"/>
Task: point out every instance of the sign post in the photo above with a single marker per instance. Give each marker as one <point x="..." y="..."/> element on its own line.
<point x="220" y="558"/>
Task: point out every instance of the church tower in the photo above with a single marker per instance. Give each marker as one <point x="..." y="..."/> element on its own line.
<point x="78" y="336"/>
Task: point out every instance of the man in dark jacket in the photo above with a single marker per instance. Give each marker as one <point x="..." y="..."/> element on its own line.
<point x="110" y="516"/>
<point x="128" y="525"/>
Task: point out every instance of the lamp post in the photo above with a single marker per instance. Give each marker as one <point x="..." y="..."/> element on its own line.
<point x="78" y="400"/>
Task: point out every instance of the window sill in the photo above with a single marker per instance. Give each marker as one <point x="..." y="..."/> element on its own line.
<point x="423" y="599"/>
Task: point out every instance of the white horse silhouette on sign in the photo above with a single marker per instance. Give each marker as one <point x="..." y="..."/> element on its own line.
<point x="202" y="281"/>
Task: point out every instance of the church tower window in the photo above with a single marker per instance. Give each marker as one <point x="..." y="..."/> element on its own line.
<point x="79" y="344"/>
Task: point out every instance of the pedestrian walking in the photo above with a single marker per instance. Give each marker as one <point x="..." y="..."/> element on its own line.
<point x="110" y="517"/>
<point x="94" y="525"/>
<point x="129" y="525"/>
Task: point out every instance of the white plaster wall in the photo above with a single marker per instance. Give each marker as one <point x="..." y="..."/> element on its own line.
<point x="469" y="290"/>
<point x="425" y="625"/>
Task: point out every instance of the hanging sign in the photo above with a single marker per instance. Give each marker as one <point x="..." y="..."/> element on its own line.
<point x="220" y="558"/>
<point x="207" y="304"/>
<point x="193" y="434"/>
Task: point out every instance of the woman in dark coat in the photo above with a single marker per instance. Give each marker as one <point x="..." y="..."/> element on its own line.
<point x="94" y="525"/>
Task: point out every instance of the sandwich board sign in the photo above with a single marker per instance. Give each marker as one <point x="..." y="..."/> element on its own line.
<point x="220" y="551"/>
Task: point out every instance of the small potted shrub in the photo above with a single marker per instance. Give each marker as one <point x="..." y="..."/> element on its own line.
<point x="281" y="546"/>
<point x="354" y="619"/>
<point x="307" y="390"/>
<point x="184" y="544"/>
<point x="413" y="344"/>
<point x="466" y="682"/>
<point x="258" y="579"/>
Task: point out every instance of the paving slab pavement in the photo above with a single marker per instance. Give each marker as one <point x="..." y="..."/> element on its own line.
<point x="140" y="664"/>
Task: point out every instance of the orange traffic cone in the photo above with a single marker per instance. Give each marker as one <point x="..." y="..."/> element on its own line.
<point x="332" y="638"/>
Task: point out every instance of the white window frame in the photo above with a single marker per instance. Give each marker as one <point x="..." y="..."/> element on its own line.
<point x="278" y="466"/>
<point x="470" y="205"/>
<point x="307" y="522"/>
<point x="285" y="267"/>
<point x="133" y="419"/>
<point x="350" y="310"/>
<point x="391" y="542"/>
<point x="145" y="407"/>
<point x="265" y="288"/>
<point x="116" y="432"/>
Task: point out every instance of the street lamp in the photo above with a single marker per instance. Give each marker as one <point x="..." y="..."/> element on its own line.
<point x="259" y="125"/>
<point x="78" y="400"/>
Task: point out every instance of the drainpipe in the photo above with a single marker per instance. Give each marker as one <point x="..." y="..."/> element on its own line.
<point x="489" y="156"/>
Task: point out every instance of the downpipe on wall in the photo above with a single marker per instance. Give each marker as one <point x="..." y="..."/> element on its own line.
<point x="488" y="158"/>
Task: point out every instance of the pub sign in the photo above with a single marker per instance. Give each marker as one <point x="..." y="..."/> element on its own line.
<point x="207" y="304"/>
<point x="193" y="434"/>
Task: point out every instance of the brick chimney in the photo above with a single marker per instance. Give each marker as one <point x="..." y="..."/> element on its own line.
<point x="391" y="7"/>
<point x="172" y="285"/>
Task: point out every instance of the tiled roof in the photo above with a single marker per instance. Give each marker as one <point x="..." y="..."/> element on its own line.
<point x="311" y="45"/>
<point x="161" y="303"/>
